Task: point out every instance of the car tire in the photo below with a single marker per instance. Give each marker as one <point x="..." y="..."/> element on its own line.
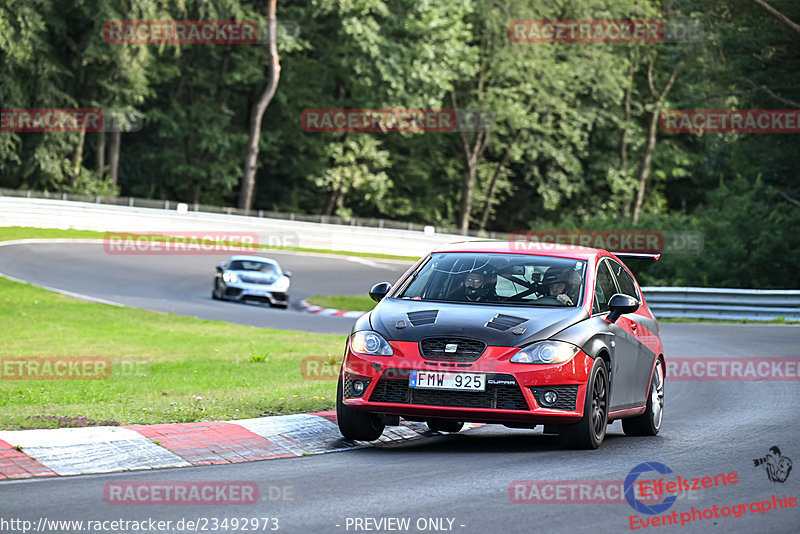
<point x="649" y="422"/>
<point x="589" y="432"/>
<point x="356" y="425"/>
<point x="215" y="291"/>
<point x="444" y="425"/>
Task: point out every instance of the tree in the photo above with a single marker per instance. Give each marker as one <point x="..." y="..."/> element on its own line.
<point x="257" y="113"/>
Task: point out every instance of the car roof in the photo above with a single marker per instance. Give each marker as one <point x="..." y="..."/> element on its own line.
<point x="522" y="247"/>
<point x="253" y="258"/>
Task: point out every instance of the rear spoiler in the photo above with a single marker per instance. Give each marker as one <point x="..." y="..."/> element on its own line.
<point x="636" y="256"/>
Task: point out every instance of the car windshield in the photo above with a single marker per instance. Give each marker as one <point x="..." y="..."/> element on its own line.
<point x="248" y="265"/>
<point x="512" y="279"/>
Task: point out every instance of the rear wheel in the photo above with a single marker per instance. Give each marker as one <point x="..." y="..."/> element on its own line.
<point x="588" y="433"/>
<point x="649" y="423"/>
<point x="356" y="425"/>
<point x="444" y="425"/>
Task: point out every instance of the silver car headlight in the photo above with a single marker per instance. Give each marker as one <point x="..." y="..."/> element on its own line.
<point x="546" y="352"/>
<point x="282" y="284"/>
<point x="230" y="277"/>
<point x="371" y="343"/>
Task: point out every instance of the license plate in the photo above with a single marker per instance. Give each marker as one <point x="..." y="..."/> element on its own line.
<point x="444" y="380"/>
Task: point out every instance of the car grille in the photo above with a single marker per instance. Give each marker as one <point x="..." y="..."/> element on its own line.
<point x="252" y="280"/>
<point x="567" y="396"/>
<point x="468" y="350"/>
<point x="496" y="396"/>
<point x="233" y="291"/>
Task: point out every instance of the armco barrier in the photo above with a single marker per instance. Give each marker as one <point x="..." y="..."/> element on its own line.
<point x="714" y="303"/>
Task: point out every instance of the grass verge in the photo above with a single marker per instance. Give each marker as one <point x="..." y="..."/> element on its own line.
<point x="778" y="320"/>
<point x="343" y="302"/>
<point x="165" y="368"/>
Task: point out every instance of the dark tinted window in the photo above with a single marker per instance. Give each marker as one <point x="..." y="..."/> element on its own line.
<point x="493" y="278"/>
<point x="603" y="289"/>
<point x="624" y="279"/>
<point x="245" y="265"/>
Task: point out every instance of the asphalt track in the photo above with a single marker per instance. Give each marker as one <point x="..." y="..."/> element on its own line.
<point x="182" y="283"/>
<point x="710" y="427"/>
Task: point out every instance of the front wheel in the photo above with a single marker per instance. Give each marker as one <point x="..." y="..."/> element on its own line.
<point x="214" y="294"/>
<point x="353" y="424"/>
<point x="649" y="422"/>
<point x="589" y="432"/>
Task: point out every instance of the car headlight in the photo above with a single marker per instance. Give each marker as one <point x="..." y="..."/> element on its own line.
<point x="546" y="352"/>
<point x="282" y="284"/>
<point x="372" y="343"/>
<point x="230" y="277"/>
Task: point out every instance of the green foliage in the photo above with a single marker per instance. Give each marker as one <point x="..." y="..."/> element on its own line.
<point x="556" y="155"/>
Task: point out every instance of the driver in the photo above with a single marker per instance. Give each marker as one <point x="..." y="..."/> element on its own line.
<point x="479" y="287"/>
<point x="558" y="285"/>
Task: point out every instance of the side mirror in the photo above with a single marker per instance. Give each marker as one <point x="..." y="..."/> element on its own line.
<point x="379" y="291"/>
<point x="287" y="274"/>
<point x="221" y="267"/>
<point x="621" y="304"/>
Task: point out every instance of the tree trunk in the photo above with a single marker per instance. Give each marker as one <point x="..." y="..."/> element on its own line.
<point x="116" y="141"/>
<point x="786" y="21"/>
<point x="644" y="168"/>
<point x="473" y="150"/>
<point x="257" y="114"/>
<point x="76" y="173"/>
<point x="101" y="155"/>
<point x="333" y="201"/>
<point x="623" y="149"/>
<point x="493" y="184"/>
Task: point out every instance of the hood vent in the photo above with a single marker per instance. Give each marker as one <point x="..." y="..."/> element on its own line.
<point x="419" y="318"/>
<point x="504" y="322"/>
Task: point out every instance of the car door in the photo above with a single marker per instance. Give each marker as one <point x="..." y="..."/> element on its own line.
<point x="624" y="345"/>
<point x="641" y="328"/>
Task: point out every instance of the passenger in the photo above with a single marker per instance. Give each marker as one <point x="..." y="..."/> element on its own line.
<point x="559" y="284"/>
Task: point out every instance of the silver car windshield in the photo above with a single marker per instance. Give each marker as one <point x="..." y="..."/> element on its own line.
<point x="245" y="265"/>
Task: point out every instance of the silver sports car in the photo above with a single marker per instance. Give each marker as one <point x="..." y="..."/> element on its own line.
<point x="252" y="278"/>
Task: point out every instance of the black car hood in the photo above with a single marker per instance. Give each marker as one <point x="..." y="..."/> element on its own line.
<point x="470" y="320"/>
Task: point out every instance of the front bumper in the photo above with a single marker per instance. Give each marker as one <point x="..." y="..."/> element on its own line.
<point x="257" y="292"/>
<point x="514" y="391"/>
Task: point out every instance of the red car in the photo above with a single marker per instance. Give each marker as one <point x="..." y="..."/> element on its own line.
<point x="516" y="334"/>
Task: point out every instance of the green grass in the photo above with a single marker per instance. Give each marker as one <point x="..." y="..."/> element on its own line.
<point x="778" y="320"/>
<point x="343" y="302"/>
<point x="8" y="233"/>
<point x="165" y="368"/>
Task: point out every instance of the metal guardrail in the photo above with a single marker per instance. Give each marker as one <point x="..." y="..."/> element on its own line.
<point x="714" y="303"/>
<point x="135" y="202"/>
